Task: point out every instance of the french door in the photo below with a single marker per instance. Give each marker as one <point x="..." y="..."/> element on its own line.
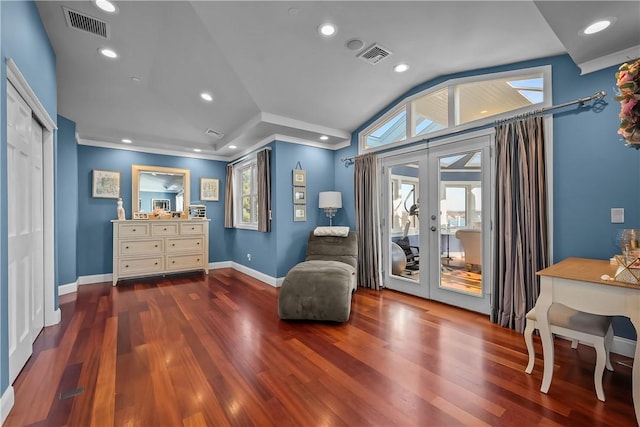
<point x="437" y="209"/>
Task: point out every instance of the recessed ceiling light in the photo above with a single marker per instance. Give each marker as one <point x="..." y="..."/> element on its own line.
<point x="105" y="6"/>
<point x="324" y="137"/>
<point x="206" y="96"/>
<point x="197" y="150"/>
<point x="136" y="79"/>
<point x="126" y="140"/>
<point x="233" y="147"/>
<point x="484" y="112"/>
<point x="109" y="53"/>
<point x="597" y="26"/>
<point x="327" y="30"/>
<point x="400" y="68"/>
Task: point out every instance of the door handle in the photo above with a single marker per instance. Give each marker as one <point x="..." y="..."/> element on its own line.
<point x="433" y="228"/>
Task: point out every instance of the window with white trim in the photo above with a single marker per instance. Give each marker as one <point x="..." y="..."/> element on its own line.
<point x="458" y="105"/>
<point x="245" y="189"/>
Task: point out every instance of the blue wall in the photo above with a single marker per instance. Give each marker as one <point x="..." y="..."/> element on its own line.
<point x="66" y="202"/>
<point x="23" y="39"/>
<point x="95" y="232"/>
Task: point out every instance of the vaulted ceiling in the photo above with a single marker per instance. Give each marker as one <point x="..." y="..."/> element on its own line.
<point x="271" y="73"/>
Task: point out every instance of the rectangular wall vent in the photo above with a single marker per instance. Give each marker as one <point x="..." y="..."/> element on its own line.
<point x="86" y="23"/>
<point x="374" y="54"/>
<point x="215" y="133"/>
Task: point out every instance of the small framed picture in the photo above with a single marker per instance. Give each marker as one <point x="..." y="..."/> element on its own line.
<point x="209" y="189"/>
<point x="299" y="178"/>
<point x="299" y="212"/>
<point x="140" y="215"/>
<point x="299" y="195"/>
<point x="106" y="184"/>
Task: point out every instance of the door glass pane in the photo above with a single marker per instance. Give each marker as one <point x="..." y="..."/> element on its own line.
<point x="461" y="222"/>
<point x="405" y="222"/>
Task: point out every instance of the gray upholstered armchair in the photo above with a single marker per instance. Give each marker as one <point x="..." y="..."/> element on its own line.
<point x="320" y="288"/>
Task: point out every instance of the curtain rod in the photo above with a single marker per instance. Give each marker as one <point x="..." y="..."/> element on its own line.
<point x="348" y="161"/>
<point x="246" y="156"/>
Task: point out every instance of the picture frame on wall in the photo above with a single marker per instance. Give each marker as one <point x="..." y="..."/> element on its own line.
<point x="105" y="184"/>
<point x="209" y="189"/>
<point x="299" y="212"/>
<point x="299" y="195"/>
<point x="299" y="178"/>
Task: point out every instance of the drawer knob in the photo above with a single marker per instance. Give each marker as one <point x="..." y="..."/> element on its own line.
<point x="173" y="244"/>
<point x="134" y="230"/>
<point x="126" y="266"/>
<point x="165" y="229"/>
<point x="156" y="246"/>
<point x="197" y="243"/>
<point x="193" y="228"/>
<point x="126" y="247"/>
<point x="173" y="262"/>
<point x="156" y="263"/>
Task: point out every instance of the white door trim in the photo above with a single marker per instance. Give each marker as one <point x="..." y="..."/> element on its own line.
<point x="17" y="79"/>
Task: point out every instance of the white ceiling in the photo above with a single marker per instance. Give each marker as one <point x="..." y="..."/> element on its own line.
<point x="272" y="74"/>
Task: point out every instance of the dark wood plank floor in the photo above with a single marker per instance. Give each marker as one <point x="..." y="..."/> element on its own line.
<point x="210" y="350"/>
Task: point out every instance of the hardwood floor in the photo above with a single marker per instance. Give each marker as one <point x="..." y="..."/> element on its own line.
<point x="210" y="350"/>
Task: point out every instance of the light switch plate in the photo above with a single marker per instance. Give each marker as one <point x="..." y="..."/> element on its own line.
<point x="617" y="215"/>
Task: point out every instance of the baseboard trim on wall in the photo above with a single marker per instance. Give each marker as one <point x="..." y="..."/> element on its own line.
<point x="624" y="346"/>
<point x="269" y="280"/>
<point x="68" y="288"/>
<point x="220" y="264"/>
<point x="96" y="278"/>
<point x="6" y="403"/>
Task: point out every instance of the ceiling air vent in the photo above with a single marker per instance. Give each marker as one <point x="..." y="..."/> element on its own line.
<point x="86" y="23"/>
<point x="374" y="54"/>
<point x="215" y="133"/>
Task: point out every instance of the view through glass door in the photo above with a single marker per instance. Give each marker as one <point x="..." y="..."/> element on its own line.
<point x="437" y="206"/>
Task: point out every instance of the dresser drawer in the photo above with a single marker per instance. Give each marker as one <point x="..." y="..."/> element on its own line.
<point x="191" y="228"/>
<point x="141" y="266"/>
<point x="184" y="262"/>
<point x="191" y="244"/>
<point x="140" y="247"/>
<point x="164" y="229"/>
<point x="133" y="230"/>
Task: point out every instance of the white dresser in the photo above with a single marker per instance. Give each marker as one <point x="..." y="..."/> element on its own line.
<point x="158" y="247"/>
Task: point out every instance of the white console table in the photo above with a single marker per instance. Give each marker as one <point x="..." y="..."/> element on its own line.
<point x="158" y="247"/>
<point x="576" y="282"/>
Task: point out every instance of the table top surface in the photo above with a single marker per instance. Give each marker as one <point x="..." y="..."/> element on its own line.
<point x="585" y="270"/>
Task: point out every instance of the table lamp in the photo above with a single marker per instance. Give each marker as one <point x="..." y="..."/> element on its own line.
<point x="330" y="201"/>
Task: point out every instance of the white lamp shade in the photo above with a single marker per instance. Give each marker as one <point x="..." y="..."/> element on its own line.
<point x="330" y="199"/>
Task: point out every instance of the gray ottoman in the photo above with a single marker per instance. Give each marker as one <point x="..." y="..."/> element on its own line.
<point x="317" y="290"/>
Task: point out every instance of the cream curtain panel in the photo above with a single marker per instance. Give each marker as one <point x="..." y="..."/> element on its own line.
<point x="264" y="191"/>
<point x="228" y="199"/>
<point x="367" y="221"/>
<point x="521" y="231"/>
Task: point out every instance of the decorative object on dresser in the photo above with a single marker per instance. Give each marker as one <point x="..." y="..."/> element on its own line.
<point x="120" y="210"/>
<point x="106" y="184"/>
<point x="160" y="247"/>
<point x="197" y="211"/>
<point x="209" y="189"/>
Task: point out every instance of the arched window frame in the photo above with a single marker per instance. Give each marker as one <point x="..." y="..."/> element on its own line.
<point x="452" y="108"/>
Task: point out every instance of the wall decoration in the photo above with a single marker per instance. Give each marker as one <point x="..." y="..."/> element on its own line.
<point x="106" y="184"/>
<point x="299" y="178"/>
<point x="299" y="195"/>
<point x="209" y="189"/>
<point x="299" y="212"/>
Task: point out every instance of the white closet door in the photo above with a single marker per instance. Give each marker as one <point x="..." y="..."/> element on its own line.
<point x="24" y="225"/>
<point x="37" y="227"/>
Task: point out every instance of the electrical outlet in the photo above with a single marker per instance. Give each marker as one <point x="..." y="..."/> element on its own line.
<point x="248" y="257"/>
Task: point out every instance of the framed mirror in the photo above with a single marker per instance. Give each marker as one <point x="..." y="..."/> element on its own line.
<point x="154" y="183"/>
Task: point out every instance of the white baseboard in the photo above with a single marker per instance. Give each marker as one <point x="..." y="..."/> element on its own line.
<point x="624" y="346"/>
<point x="69" y="288"/>
<point x="6" y="403"/>
<point x="221" y="264"/>
<point x="269" y="280"/>
<point x="96" y="278"/>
